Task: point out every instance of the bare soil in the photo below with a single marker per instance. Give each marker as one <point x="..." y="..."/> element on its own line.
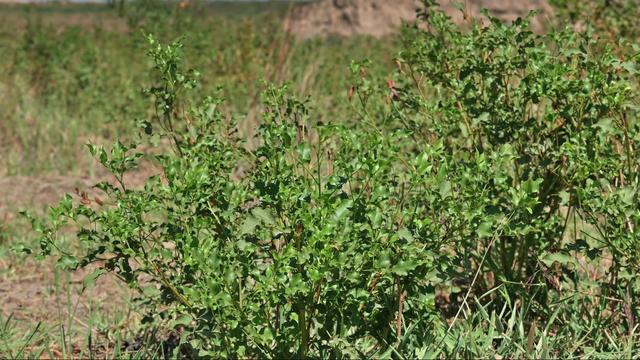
<point x="34" y="291"/>
<point x="383" y="17"/>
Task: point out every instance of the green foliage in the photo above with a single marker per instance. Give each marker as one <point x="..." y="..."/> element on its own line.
<point x="462" y="213"/>
<point x="545" y="118"/>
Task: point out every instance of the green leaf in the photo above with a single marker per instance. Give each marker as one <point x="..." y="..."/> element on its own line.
<point x="561" y="258"/>
<point x="342" y="211"/>
<point x="249" y="225"/>
<point x="264" y="216"/>
<point x="445" y="189"/>
<point x="182" y="320"/>
<point x="404" y="267"/>
<point x="68" y="262"/>
<point x="150" y="291"/>
<point x="384" y="260"/>
<point x="485" y="229"/>
<point x="405" y="234"/>
<point x="532" y="186"/>
<point x="564" y="197"/>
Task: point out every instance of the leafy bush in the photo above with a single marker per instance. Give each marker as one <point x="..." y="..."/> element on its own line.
<point x="466" y="205"/>
<point x="554" y="115"/>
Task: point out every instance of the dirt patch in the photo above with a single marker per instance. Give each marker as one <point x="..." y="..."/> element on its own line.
<point x="35" y="292"/>
<point x="36" y="192"/>
<point x="36" y="295"/>
<point x="383" y="17"/>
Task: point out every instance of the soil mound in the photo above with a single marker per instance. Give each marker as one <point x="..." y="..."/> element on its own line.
<point x="382" y="17"/>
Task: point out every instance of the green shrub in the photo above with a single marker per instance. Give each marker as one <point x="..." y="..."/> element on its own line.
<point x="460" y="178"/>
<point x="543" y="125"/>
